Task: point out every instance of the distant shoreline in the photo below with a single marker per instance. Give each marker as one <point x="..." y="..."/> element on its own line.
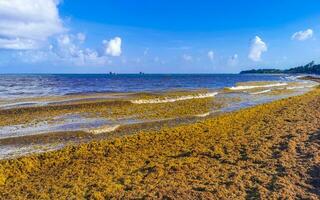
<point x="310" y="68"/>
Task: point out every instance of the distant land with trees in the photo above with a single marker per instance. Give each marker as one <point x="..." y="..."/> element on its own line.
<point x="310" y="68"/>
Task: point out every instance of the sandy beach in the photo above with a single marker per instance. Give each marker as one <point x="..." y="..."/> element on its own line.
<point x="168" y="100"/>
<point x="269" y="151"/>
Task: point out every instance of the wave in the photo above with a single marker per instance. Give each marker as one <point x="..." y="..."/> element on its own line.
<point x="203" y="114"/>
<point x="104" y="129"/>
<point x="20" y="104"/>
<point x="245" y="87"/>
<point x="294" y="77"/>
<point x="261" y="92"/>
<point x="173" y="99"/>
<point x="300" y="87"/>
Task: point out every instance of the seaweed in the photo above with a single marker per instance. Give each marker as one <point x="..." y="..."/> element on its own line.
<point x="226" y="157"/>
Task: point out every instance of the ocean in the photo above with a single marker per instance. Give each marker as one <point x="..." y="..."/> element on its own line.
<point x="35" y="85"/>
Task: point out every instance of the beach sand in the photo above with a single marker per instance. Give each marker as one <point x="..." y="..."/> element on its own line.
<point x="270" y="151"/>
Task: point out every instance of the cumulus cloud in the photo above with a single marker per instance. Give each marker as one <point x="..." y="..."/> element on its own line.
<point x="18" y="43"/>
<point x="67" y="45"/>
<point x="31" y="56"/>
<point x="187" y="57"/>
<point x="113" y="46"/>
<point x="68" y="48"/>
<point x="81" y="37"/>
<point x="211" y="55"/>
<point x="302" y="35"/>
<point x="27" y="24"/>
<point x="257" y="48"/>
<point x="35" y="30"/>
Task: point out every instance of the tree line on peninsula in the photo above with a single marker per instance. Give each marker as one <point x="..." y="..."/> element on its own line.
<point x="310" y="68"/>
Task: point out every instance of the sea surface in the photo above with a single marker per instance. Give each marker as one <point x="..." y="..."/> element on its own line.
<point x="35" y="85"/>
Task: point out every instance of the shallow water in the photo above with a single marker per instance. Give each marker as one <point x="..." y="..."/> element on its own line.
<point x="63" y="123"/>
<point x="77" y="122"/>
<point x="70" y="122"/>
<point x="246" y="95"/>
<point x="10" y="151"/>
<point x="250" y="100"/>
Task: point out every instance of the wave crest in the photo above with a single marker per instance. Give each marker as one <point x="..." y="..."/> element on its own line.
<point x="261" y="92"/>
<point x="173" y="99"/>
<point x="246" y="87"/>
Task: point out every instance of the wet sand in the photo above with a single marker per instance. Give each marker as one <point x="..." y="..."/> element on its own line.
<point x="83" y="121"/>
<point x="74" y="119"/>
<point x="269" y="151"/>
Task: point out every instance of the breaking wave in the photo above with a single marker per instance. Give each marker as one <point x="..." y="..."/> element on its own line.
<point x="173" y="99"/>
<point x="104" y="129"/>
<point x="300" y="87"/>
<point x="261" y="92"/>
<point x="246" y="87"/>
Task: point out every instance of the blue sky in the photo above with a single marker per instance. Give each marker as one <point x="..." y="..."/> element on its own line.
<point x="51" y="36"/>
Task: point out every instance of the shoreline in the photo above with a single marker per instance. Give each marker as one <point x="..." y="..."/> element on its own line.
<point x="267" y="151"/>
<point x="84" y="121"/>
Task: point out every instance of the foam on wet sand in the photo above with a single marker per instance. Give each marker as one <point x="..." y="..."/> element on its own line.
<point x="104" y="129"/>
<point x="173" y="99"/>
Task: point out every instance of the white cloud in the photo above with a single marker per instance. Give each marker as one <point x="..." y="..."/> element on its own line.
<point x="27" y="24"/>
<point x="35" y="27"/>
<point x="34" y="56"/>
<point x="113" y="46"/>
<point x="187" y="57"/>
<point x="81" y="37"/>
<point x="257" y="48"/>
<point x="69" y="48"/>
<point x="69" y="45"/>
<point x="233" y="60"/>
<point x="302" y="35"/>
<point x="64" y="39"/>
<point x="211" y="55"/>
<point x="18" y="44"/>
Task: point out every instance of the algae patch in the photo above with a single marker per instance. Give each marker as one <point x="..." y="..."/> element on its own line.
<point x="251" y="152"/>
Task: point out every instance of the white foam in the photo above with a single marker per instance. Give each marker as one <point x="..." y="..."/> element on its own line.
<point x="104" y="129"/>
<point x="299" y="87"/>
<point x="59" y="123"/>
<point x="203" y="114"/>
<point x="261" y="92"/>
<point x="246" y="87"/>
<point x="293" y="77"/>
<point x="171" y="99"/>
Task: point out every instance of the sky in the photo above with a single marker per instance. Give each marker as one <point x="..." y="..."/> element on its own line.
<point x="164" y="36"/>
